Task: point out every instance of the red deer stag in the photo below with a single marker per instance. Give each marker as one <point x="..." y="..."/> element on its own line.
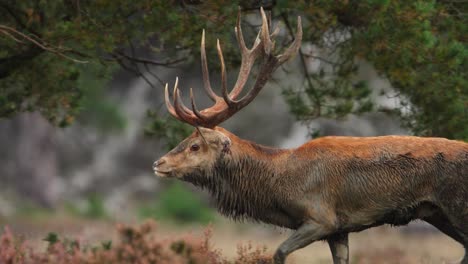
<point x="324" y="189"/>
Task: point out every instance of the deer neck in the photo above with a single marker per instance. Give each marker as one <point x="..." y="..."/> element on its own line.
<point x="237" y="176"/>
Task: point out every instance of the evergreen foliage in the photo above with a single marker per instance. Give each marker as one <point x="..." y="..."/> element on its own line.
<point x="48" y="47"/>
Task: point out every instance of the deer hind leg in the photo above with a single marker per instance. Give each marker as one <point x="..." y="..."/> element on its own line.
<point x="303" y="236"/>
<point x="463" y="229"/>
<point x="452" y="216"/>
<point x="339" y="248"/>
<point x="455" y="230"/>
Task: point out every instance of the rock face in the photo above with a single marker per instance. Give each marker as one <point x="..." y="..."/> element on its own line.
<point x="29" y="159"/>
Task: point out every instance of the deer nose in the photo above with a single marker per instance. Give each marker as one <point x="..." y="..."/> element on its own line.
<point x="157" y="163"/>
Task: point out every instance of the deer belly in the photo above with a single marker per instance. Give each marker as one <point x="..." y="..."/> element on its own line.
<point x="360" y="220"/>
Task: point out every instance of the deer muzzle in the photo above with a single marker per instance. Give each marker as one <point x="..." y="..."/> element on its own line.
<point x="159" y="169"/>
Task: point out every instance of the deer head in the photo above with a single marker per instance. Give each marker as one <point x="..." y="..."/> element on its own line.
<point x="208" y="142"/>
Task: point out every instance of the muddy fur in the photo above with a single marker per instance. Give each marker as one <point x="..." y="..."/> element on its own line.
<point x="238" y="195"/>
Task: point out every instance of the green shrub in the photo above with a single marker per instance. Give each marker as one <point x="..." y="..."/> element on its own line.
<point x="93" y="208"/>
<point x="176" y="203"/>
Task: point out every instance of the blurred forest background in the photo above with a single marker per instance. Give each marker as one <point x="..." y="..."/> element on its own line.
<point x="81" y="91"/>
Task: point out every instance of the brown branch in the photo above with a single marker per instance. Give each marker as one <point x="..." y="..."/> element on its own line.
<point x="135" y="64"/>
<point x="133" y="58"/>
<point x="8" y="31"/>
<point x="30" y="39"/>
<point x="124" y="59"/>
<point x="123" y="65"/>
<point x="153" y="74"/>
<point x="135" y="69"/>
<point x="10" y="35"/>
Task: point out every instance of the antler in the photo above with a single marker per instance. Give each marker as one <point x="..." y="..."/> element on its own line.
<point x="229" y="104"/>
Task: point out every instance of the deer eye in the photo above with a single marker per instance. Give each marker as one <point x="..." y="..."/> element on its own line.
<point x="194" y="147"/>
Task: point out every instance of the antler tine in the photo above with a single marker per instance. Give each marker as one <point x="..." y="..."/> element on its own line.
<point x="206" y="74"/>
<point x="226" y="97"/>
<point x="181" y="110"/>
<point x="194" y="106"/>
<point x="295" y="46"/>
<point x="265" y="33"/>
<point x="177" y="98"/>
<point x="273" y="36"/>
<point x="239" y="35"/>
<point x="179" y="105"/>
<point x="169" y="106"/>
<point x="271" y="63"/>
<point x="275" y="31"/>
<point x="248" y="58"/>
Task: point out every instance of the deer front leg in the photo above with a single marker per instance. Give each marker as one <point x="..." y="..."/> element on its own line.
<point x="303" y="236"/>
<point x="339" y="248"/>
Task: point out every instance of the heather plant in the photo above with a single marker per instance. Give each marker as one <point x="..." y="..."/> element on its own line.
<point x="247" y="254"/>
<point x="136" y="244"/>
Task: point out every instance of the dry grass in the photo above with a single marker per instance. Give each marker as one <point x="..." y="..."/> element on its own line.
<point x="378" y="245"/>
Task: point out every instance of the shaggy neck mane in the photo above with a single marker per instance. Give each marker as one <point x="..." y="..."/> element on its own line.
<point x="235" y="180"/>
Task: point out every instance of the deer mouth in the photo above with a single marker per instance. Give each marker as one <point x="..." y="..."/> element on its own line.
<point x="162" y="173"/>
